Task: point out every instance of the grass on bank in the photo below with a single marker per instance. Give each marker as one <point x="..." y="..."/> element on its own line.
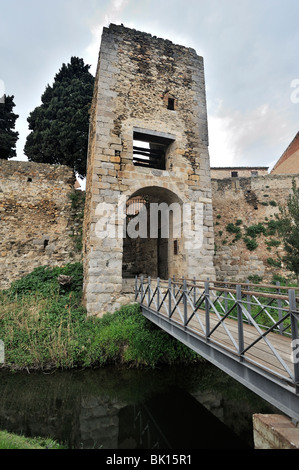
<point x="14" y="441"/>
<point x="43" y="325"/>
<point x="263" y="310"/>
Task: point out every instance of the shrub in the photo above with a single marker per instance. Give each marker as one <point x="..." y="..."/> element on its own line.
<point x="272" y="227"/>
<point x="273" y="242"/>
<point x="250" y="243"/>
<point x="231" y="228"/>
<point x="281" y="279"/>
<point x="237" y="237"/>
<point x="45" y="326"/>
<point x="272" y="262"/>
<point x="43" y="280"/>
<point x="255" y="279"/>
<point x="255" y="230"/>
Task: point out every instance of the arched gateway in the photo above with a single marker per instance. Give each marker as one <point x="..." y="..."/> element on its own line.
<point x="148" y="192"/>
<point x="153" y="244"/>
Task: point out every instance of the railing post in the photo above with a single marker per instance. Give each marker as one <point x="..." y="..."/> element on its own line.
<point x="194" y="292"/>
<point x="207" y="307"/>
<point x="295" y="336"/>
<point x="173" y="286"/>
<point x="141" y="289"/>
<point x="240" y="319"/>
<point x="225" y="299"/>
<point x="149" y="290"/>
<point x="248" y="302"/>
<point x="185" y="301"/>
<point x="136" y="287"/>
<point x="169" y="297"/>
<point x="158" y="294"/>
<point x="278" y="291"/>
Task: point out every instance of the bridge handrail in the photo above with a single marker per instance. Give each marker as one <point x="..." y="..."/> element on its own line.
<point x="188" y="297"/>
<point x="247" y="283"/>
<point x="201" y="283"/>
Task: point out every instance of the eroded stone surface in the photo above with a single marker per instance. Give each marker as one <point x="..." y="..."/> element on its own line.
<point x="37" y="221"/>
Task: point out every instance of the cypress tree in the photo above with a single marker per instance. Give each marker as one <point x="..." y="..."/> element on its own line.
<point x="8" y="137"/>
<point x="60" y="125"/>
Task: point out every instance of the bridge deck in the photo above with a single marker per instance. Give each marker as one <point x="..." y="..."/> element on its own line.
<point x="259" y="354"/>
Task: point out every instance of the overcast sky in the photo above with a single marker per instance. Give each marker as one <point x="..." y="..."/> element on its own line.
<point x="250" y="50"/>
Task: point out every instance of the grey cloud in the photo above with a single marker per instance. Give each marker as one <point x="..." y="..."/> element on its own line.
<point x="250" y="48"/>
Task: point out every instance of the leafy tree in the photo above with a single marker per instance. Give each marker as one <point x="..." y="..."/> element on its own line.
<point x="59" y="126"/>
<point x="8" y="137"/>
<point x="288" y="228"/>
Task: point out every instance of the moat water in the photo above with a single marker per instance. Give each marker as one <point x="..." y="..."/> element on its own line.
<point x="196" y="407"/>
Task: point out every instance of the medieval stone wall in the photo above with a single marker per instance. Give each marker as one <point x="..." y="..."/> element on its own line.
<point x="38" y="219"/>
<point x="242" y="203"/>
<point x="39" y="225"/>
<point x="144" y="86"/>
<point x="240" y="172"/>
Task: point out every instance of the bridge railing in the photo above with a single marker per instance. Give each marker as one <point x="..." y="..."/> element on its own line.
<point x="207" y="309"/>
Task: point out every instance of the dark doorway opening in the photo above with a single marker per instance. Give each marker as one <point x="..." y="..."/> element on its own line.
<point x="148" y="249"/>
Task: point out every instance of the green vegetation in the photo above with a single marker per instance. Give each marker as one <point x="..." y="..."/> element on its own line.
<point x="273" y="262"/>
<point x="59" y="126"/>
<point x="232" y="228"/>
<point x="44" y="325"/>
<point x="256" y="230"/>
<point x="272" y="242"/>
<point x="8" y="136"/>
<point x="13" y="441"/>
<point x="265" y="313"/>
<point x="288" y="228"/>
<point x="255" y="279"/>
<point x="281" y="279"/>
<point x="250" y="243"/>
<point x="235" y="229"/>
<point x="252" y="232"/>
<point x="272" y="227"/>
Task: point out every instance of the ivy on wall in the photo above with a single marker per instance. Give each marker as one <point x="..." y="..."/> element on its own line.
<point x="250" y="235"/>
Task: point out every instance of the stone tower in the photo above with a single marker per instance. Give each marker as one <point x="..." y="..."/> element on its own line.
<point x="148" y="192"/>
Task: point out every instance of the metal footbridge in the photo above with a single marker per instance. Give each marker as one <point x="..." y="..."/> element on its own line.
<point x="249" y="331"/>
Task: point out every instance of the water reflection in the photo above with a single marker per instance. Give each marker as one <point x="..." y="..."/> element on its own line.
<point x="176" y="420"/>
<point x="172" y="408"/>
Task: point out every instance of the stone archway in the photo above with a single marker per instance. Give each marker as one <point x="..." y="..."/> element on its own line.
<point x="153" y="243"/>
